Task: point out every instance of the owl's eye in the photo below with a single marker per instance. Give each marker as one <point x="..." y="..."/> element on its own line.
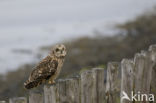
<point x="57" y="50"/>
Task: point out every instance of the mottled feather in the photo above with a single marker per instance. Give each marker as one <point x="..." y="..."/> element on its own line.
<point x="43" y="70"/>
<point x="48" y="69"/>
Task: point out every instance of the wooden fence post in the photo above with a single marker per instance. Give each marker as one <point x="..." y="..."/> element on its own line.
<point x="35" y="98"/>
<point x="51" y="94"/>
<point x="113" y="83"/>
<point x="68" y="90"/>
<point x="72" y="91"/>
<point x="127" y="79"/>
<point x="18" y="100"/>
<point x="88" y="87"/>
<point x="143" y="73"/>
<point x="152" y="49"/>
<point x="92" y="86"/>
<point x="61" y="86"/>
<point x="65" y="91"/>
<point x="99" y="74"/>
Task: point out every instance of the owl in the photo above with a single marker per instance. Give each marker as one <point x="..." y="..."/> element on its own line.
<point x="48" y="69"/>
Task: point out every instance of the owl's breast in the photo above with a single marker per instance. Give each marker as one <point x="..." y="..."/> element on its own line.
<point x="58" y="69"/>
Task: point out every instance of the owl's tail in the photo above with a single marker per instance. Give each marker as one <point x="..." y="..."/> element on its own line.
<point x="32" y="84"/>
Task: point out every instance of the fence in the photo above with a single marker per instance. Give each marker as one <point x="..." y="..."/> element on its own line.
<point x="101" y="85"/>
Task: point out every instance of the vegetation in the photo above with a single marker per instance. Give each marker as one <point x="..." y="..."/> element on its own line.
<point x="88" y="52"/>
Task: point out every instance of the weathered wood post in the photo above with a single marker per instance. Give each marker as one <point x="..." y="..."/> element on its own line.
<point x="88" y="87"/>
<point x="65" y="91"/>
<point x="51" y="94"/>
<point x="35" y="98"/>
<point x="127" y="79"/>
<point x="61" y="87"/>
<point x="68" y="90"/>
<point x="18" y="100"/>
<point x="152" y="49"/>
<point x="136" y="78"/>
<point x="72" y="94"/>
<point x="92" y="86"/>
<point x="143" y="74"/>
<point x="113" y="83"/>
<point x="99" y="74"/>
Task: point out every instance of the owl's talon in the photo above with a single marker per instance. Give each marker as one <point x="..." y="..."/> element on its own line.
<point x="51" y="82"/>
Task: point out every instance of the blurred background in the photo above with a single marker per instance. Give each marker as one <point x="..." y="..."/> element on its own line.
<point x="94" y="31"/>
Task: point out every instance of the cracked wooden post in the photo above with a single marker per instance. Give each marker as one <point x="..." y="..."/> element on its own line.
<point x="127" y="79"/>
<point x="100" y="85"/>
<point x="73" y="90"/>
<point x="18" y="100"/>
<point x="64" y="91"/>
<point x="152" y="49"/>
<point x="69" y="90"/>
<point x="51" y="94"/>
<point x="92" y="86"/>
<point x="143" y="73"/>
<point x="35" y="98"/>
<point x="61" y="87"/>
<point x="88" y="87"/>
<point x="113" y="83"/>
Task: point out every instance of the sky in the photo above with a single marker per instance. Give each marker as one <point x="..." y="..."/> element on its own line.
<point x="30" y="24"/>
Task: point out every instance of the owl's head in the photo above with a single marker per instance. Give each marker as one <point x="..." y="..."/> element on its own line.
<point x="59" y="51"/>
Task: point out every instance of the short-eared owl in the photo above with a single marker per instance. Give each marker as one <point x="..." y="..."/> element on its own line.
<point x="48" y="69"/>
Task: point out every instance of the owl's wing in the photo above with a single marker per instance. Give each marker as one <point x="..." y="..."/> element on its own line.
<point x="43" y="71"/>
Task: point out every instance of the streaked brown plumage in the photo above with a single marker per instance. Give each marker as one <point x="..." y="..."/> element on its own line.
<point x="48" y="69"/>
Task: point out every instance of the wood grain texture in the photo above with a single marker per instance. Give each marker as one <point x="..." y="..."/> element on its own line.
<point x="51" y="94"/>
<point x="127" y="78"/>
<point x="99" y="74"/>
<point x="152" y="49"/>
<point x="18" y="100"/>
<point x="143" y="72"/>
<point x="36" y="98"/>
<point x="88" y="87"/>
<point x="72" y="90"/>
<point x="113" y="83"/>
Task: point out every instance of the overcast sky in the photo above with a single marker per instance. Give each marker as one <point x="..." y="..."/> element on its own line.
<point x="17" y="13"/>
<point x="29" y="24"/>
